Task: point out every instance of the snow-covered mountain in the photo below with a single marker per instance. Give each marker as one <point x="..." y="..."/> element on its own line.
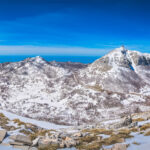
<point x="75" y="93"/>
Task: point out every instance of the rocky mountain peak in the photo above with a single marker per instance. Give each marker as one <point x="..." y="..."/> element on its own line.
<point x="118" y="52"/>
<point x="37" y="59"/>
<point x="115" y="58"/>
<point x="121" y="57"/>
<point x="121" y="49"/>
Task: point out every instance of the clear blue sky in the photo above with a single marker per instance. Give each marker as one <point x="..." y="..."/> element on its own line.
<point x="73" y="27"/>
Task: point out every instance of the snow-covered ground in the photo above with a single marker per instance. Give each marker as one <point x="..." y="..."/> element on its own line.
<point x="42" y="124"/>
<point x="143" y="141"/>
<point x="143" y="122"/>
<point x="2" y="147"/>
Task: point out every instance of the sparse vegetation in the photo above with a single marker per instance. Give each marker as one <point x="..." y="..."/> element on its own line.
<point x="124" y="134"/>
<point x="112" y="140"/>
<point x="147" y="133"/>
<point x="2" y="115"/>
<point x="88" y="139"/>
<point x="4" y="121"/>
<point x="17" y="121"/>
<point x="135" y="129"/>
<point x="136" y="143"/>
<point x="26" y="132"/>
<point x="50" y="147"/>
<point x="138" y="119"/>
<point x="92" y="146"/>
<point x="96" y="88"/>
<point x="39" y="133"/>
<point x="99" y="131"/>
<point x="124" y="131"/>
<point x="145" y="126"/>
<point x="91" y="142"/>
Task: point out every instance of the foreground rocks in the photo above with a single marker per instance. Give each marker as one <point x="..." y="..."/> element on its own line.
<point x="87" y="137"/>
<point x="59" y="139"/>
<point x="125" y="122"/>
<point x="21" y="142"/>
<point x="118" y="147"/>
<point x="82" y="137"/>
<point x="2" y="135"/>
<point x="21" y="139"/>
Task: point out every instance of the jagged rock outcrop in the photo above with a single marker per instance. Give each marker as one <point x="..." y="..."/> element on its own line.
<point x="118" y="147"/>
<point x="21" y="139"/>
<point x="3" y="133"/>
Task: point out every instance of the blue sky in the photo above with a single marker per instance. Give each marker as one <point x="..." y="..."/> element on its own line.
<point x="73" y="27"/>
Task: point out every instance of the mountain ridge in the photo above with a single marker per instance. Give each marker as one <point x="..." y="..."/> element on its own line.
<point x="76" y="93"/>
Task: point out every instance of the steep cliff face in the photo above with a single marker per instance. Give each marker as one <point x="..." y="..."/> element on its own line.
<point x="75" y="93"/>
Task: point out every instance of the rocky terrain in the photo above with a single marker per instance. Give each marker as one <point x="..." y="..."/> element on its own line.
<point x="73" y="93"/>
<point x="100" y="106"/>
<point x="129" y="133"/>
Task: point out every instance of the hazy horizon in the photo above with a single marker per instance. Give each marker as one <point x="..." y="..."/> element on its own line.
<point x="78" y="59"/>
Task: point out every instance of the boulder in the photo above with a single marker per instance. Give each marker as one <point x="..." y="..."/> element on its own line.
<point x="21" y="147"/>
<point x="30" y="126"/>
<point x="62" y="144"/>
<point x="33" y="148"/>
<point x="43" y="143"/>
<point x="2" y="135"/>
<point x="5" y="144"/>
<point x="85" y="134"/>
<point x="121" y="140"/>
<point x="127" y="121"/>
<point x="35" y="142"/>
<point x="55" y="136"/>
<point x="16" y="143"/>
<point x="99" y="138"/>
<point x="69" y="142"/>
<point x="147" y="132"/>
<point x="47" y="142"/>
<point x="119" y="146"/>
<point x="68" y="138"/>
<point x="78" y="134"/>
<point x="92" y="135"/>
<point x="22" y="139"/>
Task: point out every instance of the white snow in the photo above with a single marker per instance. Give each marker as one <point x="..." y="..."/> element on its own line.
<point x="143" y="122"/>
<point x="42" y="124"/>
<point x="2" y="147"/>
<point x="141" y="139"/>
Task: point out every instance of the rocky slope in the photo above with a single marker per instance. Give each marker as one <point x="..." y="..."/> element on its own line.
<point x="129" y="133"/>
<point x="74" y="93"/>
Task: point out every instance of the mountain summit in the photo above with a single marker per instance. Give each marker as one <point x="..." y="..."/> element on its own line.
<point x="75" y="93"/>
<point x="125" y="58"/>
<point x="122" y="69"/>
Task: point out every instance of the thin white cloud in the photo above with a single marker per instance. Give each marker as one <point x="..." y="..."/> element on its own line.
<point x="41" y="50"/>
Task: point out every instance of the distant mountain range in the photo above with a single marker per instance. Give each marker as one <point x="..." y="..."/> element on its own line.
<point x="75" y="93"/>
